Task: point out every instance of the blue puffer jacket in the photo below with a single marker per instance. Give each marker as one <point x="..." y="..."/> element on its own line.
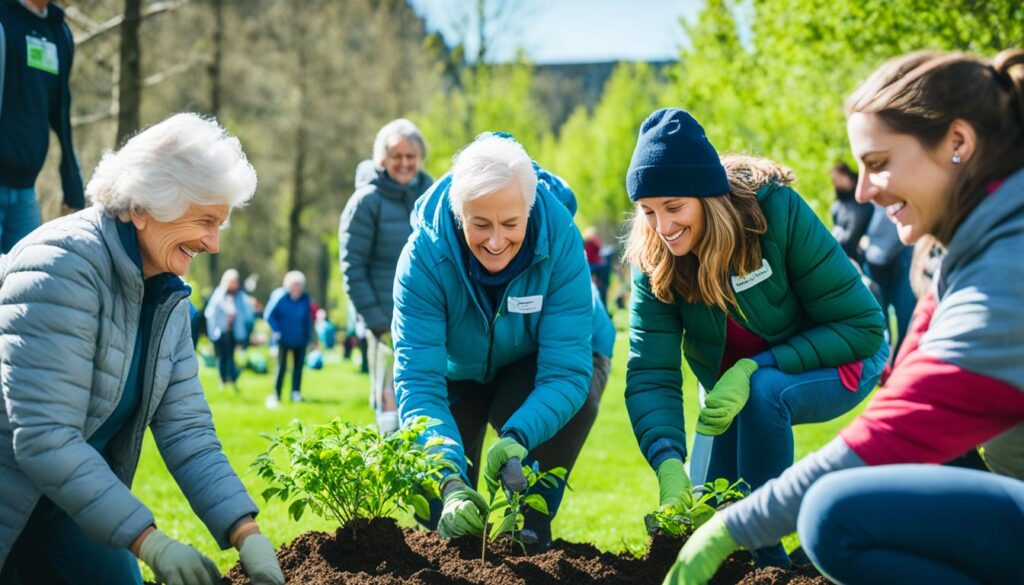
<point x="290" y="319"/>
<point x="441" y="332"/>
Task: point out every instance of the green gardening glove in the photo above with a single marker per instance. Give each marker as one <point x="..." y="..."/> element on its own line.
<point x="259" y="559"/>
<point x="465" y="511"/>
<point x="673" y="484"/>
<point x="703" y="553"/>
<point x="497" y="456"/>
<point x="726" y="399"/>
<point x="175" y="563"/>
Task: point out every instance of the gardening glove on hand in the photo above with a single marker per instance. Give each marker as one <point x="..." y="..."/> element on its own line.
<point x="464" y="511"/>
<point x="259" y="559"/>
<point x="497" y="456"/>
<point x="175" y="563"/>
<point x="703" y="553"/>
<point x="726" y="399"/>
<point x="673" y="484"/>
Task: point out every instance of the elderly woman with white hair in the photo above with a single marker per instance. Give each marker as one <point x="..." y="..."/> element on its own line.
<point x="95" y="347"/>
<point x="374" y="226"/>
<point x="229" y="313"/>
<point x="289" y="312"/>
<point x="494" y="321"/>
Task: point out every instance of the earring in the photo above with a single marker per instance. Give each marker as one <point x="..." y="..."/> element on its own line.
<point x="956" y="158"/>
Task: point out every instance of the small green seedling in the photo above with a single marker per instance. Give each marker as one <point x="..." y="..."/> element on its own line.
<point x="351" y="472"/>
<point x="506" y="508"/>
<point x="682" y="520"/>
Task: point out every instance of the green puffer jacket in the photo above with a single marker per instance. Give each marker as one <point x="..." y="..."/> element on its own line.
<point x="806" y="300"/>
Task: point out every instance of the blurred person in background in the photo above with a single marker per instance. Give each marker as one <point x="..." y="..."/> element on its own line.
<point x="229" y="315"/>
<point x="289" y="314"/>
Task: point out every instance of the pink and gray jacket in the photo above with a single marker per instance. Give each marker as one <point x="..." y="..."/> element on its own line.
<point x="957" y="383"/>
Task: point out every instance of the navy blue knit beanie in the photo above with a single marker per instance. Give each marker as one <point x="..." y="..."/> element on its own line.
<point x="673" y="158"/>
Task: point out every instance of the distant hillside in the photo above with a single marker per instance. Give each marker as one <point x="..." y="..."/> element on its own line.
<point x="563" y="87"/>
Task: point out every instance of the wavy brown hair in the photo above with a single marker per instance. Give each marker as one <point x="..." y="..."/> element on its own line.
<point x="733" y="225"/>
<point x="920" y="94"/>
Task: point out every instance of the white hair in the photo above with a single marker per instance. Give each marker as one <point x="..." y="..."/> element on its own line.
<point x="485" y="166"/>
<point x="186" y="159"/>
<point x="229" y="275"/>
<point x="390" y="134"/>
<point x="294" y="277"/>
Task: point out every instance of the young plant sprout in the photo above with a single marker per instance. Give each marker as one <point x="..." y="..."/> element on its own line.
<point x="506" y="506"/>
<point x="682" y="520"/>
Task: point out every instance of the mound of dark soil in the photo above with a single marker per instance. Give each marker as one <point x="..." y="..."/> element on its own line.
<point x="382" y="553"/>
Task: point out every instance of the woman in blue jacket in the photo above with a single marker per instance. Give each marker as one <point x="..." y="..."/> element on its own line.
<point x="290" y="316"/>
<point x="493" y="324"/>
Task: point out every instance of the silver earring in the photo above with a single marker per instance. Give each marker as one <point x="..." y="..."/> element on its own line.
<point x="956" y="158"/>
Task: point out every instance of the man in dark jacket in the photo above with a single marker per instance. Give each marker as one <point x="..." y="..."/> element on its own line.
<point x="36" y="52"/>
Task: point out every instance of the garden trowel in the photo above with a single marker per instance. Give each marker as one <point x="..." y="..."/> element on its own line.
<point x="700" y="455"/>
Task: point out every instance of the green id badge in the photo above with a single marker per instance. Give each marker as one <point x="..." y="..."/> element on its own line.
<point x="42" y="54"/>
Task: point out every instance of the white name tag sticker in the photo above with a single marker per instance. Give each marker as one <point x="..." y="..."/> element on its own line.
<point x="42" y="54"/>
<point x="531" y="304"/>
<point x="742" y="283"/>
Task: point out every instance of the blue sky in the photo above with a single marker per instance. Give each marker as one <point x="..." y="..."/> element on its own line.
<point x="570" y="31"/>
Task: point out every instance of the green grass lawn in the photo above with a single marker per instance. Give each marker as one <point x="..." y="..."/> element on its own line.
<point x="612" y="485"/>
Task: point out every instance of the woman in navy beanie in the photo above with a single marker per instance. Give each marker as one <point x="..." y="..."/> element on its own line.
<point x="733" y="271"/>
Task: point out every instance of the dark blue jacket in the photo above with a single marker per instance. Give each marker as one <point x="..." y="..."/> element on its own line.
<point x="33" y="100"/>
<point x="290" y="319"/>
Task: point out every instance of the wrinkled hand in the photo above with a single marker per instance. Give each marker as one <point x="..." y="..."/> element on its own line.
<point x="497" y="456"/>
<point x="703" y="553"/>
<point x="259" y="559"/>
<point x="175" y="563"/>
<point x="464" y="511"/>
<point x="726" y="399"/>
<point x="673" y="484"/>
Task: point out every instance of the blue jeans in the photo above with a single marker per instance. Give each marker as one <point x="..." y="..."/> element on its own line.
<point x="915" y="524"/>
<point x="19" y="215"/>
<point x="893" y="281"/>
<point x="52" y="549"/>
<point x="758" y="446"/>
<point x="225" y="350"/>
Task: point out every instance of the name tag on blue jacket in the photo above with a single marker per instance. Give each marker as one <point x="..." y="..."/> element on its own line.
<point x="531" y="304"/>
<point x="742" y="283"/>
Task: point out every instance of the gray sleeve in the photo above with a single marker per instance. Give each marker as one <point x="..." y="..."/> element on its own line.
<point x="768" y="514"/>
<point x="356" y="236"/>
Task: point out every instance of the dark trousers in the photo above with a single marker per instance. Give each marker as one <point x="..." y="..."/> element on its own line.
<point x="475" y="405"/>
<point x="225" y="350"/>
<point x="299" y="358"/>
<point x="53" y="550"/>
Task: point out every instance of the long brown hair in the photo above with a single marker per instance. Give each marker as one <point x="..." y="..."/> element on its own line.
<point x="922" y="93"/>
<point x="732" y="225"/>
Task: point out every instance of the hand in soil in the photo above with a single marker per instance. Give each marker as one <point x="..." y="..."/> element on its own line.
<point x="259" y="559"/>
<point x="702" y="554"/>
<point x="464" y="511"/>
<point x="175" y="563"/>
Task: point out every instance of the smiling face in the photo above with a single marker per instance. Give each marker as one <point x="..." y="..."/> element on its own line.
<point x="495" y="226"/>
<point x="911" y="182"/>
<point x="170" y="246"/>
<point x="403" y="161"/>
<point x="678" y="221"/>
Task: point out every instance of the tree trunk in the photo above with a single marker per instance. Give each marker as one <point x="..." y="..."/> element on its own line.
<point x="299" y="188"/>
<point x="129" y="84"/>
<point x="215" y="96"/>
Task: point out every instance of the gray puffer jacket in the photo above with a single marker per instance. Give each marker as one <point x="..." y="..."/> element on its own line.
<point x="373" y="229"/>
<point x="70" y="303"/>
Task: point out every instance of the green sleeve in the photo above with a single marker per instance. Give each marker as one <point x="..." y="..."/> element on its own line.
<point x="849" y="322"/>
<point x="654" y="378"/>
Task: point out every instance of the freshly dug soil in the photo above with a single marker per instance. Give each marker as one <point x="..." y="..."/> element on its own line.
<point x="382" y="553"/>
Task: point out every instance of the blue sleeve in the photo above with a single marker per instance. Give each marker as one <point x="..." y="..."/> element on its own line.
<point x="419" y="327"/>
<point x="564" y="355"/>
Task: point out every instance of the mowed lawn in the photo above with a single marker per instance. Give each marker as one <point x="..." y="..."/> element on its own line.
<point x="612" y="486"/>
